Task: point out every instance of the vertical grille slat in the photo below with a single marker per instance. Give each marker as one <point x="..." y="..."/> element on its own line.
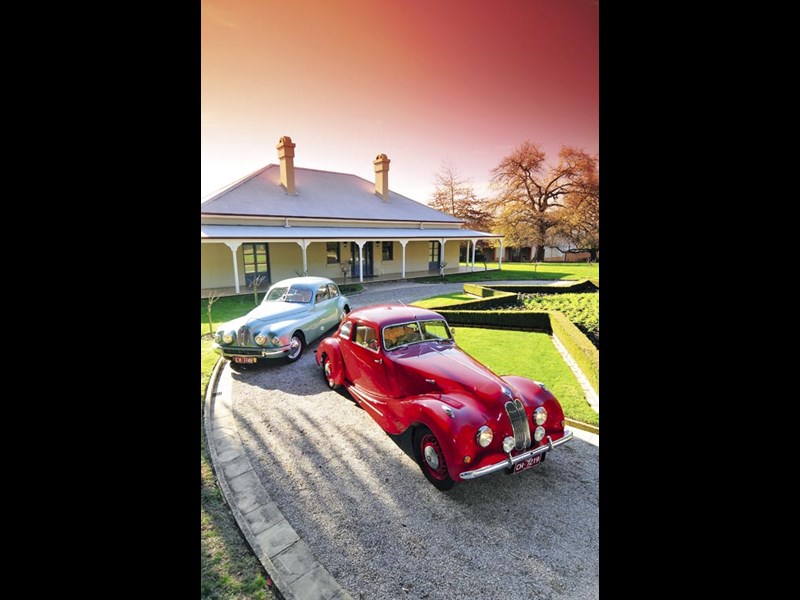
<point x="243" y="336"/>
<point x="519" y="424"/>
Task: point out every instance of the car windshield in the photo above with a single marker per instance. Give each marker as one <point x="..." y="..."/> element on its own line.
<point x="396" y="336"/>
<point x="288" y="294"/>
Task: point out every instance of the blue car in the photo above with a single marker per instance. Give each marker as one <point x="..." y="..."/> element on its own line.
<point x="293" y="314"/>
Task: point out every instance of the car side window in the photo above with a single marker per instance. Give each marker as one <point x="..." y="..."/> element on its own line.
<point x="344" y="332"/>
<point x="333" y="291"/>
<point x="322" y="294"/>
<point x="365" y="336"/>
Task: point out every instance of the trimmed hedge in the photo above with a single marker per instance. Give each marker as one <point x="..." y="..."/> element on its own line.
<point x="524" y="320"/>
<point x="578" y="345"/>
<point x="580" y="287"/>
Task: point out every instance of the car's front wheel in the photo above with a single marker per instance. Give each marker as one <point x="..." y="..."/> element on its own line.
<point x="430" y="457"/>
<point x="327" y="371"/>
<point x="296" y="346"/>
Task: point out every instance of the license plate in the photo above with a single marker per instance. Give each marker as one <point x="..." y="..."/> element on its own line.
<point x="528" y="463"/>
<point x="245" y="360"/>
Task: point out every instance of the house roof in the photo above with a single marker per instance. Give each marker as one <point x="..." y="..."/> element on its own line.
<point x="337" y="233"/>
<point x="320" y="194"/>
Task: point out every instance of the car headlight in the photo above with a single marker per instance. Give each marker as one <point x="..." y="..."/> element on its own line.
<point x="540" y="415"/>
<point x="227" y="338"/>
<point x="508" y="444"/>
<point x="276" y="341"/>
<point x="261" y="339"/>
<point x="484" y="436"/>
<point x="538" y="433"/>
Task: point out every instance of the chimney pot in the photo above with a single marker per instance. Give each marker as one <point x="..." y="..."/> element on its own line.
<point x="286" y="156"/>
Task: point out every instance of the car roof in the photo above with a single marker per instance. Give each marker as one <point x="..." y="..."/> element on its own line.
<point x="390" y="314"/>
<point x="309" y="281"/>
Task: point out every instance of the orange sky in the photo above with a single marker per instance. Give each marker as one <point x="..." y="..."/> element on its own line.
<point x="423" y="81"/>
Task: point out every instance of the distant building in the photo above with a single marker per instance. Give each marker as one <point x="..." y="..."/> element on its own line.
<point x="282" y="221"/>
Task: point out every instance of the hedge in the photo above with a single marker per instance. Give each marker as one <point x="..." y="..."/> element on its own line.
<point x="525" y="320"/>
<point x="583" y="286"/>
<point x="578" y="345"/>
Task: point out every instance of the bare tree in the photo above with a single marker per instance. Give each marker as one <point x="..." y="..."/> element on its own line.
<point x="213" y="296"/>
<point x="579" y="222"/>
<point x="255" y="283"/>
<point x="455" y="195"/>
<point x="531" y="192"/>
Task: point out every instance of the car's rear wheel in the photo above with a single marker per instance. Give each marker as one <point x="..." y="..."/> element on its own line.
<point x="430" y="457"/>
<point x="327" y="371"/>
<point x="296" y="346"/>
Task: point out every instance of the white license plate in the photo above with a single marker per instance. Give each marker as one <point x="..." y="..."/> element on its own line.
<point x="245" y="360"/>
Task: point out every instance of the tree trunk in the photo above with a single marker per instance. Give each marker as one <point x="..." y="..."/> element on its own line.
<point x="539" y="253"/>
<point x="593" y="255"/>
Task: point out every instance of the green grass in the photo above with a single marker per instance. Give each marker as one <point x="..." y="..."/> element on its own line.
<point x="532" y="355"/>
<point x="523" y="271"/>
<point x="445" y="300"/>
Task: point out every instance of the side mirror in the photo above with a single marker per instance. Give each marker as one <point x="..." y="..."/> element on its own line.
<point x="373" y="344"/>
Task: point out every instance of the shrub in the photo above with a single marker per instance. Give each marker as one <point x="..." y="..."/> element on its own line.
<point x="499" y="319"/>
<point x="578" y="345"/>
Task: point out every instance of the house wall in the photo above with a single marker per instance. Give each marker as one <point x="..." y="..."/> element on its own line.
<point x="216" y="266"/>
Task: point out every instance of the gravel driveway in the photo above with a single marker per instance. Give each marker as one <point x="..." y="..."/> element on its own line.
<point x="361" y="503"/>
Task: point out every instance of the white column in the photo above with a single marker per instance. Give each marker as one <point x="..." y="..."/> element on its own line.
<point x="474" y="244"/>
<point x="303" y="245"/>
<point x="500" y="261"/>
<point x="234" y="246"/>
<point x="441" y="256"/>
<point x="360" y="261"/>
<point x="403" y="243"/>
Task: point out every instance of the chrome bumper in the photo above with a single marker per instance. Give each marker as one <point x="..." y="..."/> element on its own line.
<point x="271" y="353"/>
<point x="512" y="460"/>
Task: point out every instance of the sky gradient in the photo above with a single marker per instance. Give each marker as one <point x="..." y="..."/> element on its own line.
<point x="423" y="81"/>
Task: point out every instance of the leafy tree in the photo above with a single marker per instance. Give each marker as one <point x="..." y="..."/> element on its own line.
<point x="579" y="221"/>
<point x="532" y="195"/>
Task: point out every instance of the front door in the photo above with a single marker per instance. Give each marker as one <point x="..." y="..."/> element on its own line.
<point x="367" y="254"/>
<point x="434" y="256"/>
<point x="256" y="263"/>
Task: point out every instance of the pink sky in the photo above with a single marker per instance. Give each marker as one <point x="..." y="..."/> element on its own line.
<point x="423" y="81"/>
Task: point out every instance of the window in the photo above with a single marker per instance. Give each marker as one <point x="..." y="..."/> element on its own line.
<point x="322" y="294"/>
<point x="344" y="332"/>
<point x="332" y="249"/>
<point x="256" y="262"/>
<point x="388" y="250"/>
<point x="365" y="336"/>
<point x="333" y="291"/>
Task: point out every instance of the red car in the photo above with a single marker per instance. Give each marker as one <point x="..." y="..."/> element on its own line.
<point x="401" y="364"/>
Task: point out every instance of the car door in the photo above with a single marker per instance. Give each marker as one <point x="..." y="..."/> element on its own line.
<point x="325" y="314"/>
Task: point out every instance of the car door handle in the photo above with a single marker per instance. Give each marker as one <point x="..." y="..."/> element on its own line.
<point x="378" y="360"/>
<point x="430" y="380"/>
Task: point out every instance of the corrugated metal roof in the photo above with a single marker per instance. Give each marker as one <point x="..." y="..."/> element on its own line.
<point x="320" y="194"/>
<point x="335" y="233"/>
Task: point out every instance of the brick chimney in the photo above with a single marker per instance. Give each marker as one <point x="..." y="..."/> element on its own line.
<point x="286" y="155"/>
<point x="381" y="163"/>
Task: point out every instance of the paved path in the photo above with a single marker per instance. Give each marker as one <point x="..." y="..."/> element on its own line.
<point x="274" y="430"/>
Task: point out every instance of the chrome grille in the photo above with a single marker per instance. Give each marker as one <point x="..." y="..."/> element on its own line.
<point x="519" y="424"/>
<point x="243" y="336"/>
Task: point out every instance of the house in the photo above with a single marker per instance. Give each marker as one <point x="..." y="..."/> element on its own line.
<point x="281" y="221"/>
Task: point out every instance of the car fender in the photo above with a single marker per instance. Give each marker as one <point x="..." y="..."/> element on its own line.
<point x="454" y="421"/>
<point x="330" y="347"/>
<point x="535" y="395"/>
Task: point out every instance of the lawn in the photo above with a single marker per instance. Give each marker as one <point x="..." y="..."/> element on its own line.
<point x="523" y="271"/>
<point x="532" y="355"/>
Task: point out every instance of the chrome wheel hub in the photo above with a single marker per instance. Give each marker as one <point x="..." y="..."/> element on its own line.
<point x="431" y="457"/>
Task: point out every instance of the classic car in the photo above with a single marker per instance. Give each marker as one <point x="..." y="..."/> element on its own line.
<point x="293" y="313"/>
<point x="402" y="365"/>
